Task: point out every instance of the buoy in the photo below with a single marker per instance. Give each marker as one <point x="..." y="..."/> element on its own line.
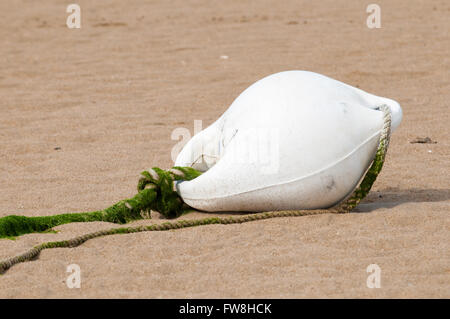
<point x="289" y="145"/>
<point x="292" y="140"/>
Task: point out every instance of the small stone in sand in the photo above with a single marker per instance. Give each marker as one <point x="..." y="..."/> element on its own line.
<point x="423" y="140"/>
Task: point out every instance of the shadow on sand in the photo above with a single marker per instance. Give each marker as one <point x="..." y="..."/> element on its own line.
<point x="391" y="197"/>
<point x="385" y="198"/>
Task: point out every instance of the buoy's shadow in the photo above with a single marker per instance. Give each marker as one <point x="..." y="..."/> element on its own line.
<point x="392" y="196"/>
<point x="385" y="198"/>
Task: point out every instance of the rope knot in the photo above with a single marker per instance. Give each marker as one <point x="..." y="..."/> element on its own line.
<point x="167" y="201"/>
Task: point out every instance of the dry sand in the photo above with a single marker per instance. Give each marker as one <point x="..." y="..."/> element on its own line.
<point x="110" y="94"/>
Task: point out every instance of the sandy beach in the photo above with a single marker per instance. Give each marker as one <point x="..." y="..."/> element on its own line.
<point x="84" y="111"/>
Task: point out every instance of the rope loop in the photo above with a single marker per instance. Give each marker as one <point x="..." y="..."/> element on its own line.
<point x="167" y="201"/>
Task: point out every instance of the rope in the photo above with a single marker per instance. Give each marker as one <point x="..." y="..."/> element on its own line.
<point x="155" y="192"/>
<point x="156" y="180"/>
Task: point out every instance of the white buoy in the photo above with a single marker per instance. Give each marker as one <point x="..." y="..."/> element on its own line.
<point x="293" y="140"/>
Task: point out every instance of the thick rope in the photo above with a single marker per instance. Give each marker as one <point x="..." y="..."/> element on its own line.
<point x="155" y="192"/>
<point x="163" y="180"/>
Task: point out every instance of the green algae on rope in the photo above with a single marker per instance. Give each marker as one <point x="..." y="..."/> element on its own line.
<point x="155" y="192"/>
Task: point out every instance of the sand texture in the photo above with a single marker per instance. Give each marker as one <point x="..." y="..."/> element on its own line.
<point x="84" y="111"/>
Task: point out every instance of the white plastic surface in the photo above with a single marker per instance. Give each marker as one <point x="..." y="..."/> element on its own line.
<point x="293" y="140"/>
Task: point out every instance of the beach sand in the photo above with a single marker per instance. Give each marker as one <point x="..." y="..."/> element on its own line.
<point x="84" y="111"/>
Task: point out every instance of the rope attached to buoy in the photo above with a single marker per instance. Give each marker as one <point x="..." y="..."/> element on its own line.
<point x="156" y="192"/>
